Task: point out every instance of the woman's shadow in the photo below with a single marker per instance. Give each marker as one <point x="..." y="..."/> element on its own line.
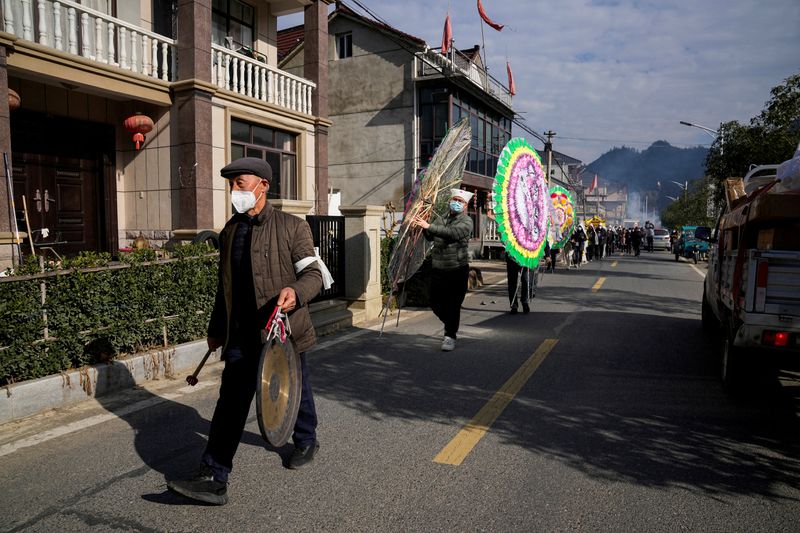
<point x="169" y="437"/>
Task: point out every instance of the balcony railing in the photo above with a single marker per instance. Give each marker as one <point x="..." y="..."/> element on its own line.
<point x="70" y="27"/>
<point x="432" y="63"/>
<point x="255" y="79"/>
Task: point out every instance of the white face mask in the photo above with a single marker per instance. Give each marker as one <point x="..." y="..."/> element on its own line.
<point x="244" y="201"/>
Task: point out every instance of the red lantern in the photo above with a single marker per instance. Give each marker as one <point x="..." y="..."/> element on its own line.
<point x="138" y="124"/>
<point x="14" y="100"/>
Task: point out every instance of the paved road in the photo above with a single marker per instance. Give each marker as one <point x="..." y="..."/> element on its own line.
<point x="599" y="411"/>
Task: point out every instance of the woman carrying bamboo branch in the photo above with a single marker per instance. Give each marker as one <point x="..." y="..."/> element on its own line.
<point x="450" y="270"/>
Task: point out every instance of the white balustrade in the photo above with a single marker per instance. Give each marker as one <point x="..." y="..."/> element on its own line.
<point x="123" y="49"/>
<point x="27" y="20"/>
<point x="255" y="79"/>
<point x="72" y="30"/>
<point x="43" y="39"/>
<point x="58" y="40"/>
<point x="85" y="44"/>
<point x="433" y="63"/>
<point x="91" y="34"/>
<point x="98" y="42"/>
<point x="8" y="16"/>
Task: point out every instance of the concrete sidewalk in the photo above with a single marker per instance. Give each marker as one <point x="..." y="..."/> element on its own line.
<point x="27" y="398"/>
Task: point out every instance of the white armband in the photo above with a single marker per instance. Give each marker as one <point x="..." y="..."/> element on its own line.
<point x="327" y="279"/>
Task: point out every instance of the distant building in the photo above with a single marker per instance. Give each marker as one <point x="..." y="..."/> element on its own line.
<point x="392" y="100"/>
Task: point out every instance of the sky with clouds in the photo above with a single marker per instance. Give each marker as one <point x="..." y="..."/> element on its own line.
<point x="606" y="73"/>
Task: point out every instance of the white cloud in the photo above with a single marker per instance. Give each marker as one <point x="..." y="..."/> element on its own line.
<point x="623" y="71"/>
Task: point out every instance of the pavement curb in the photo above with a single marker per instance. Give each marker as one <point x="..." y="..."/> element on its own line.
<point x="28" y="398"/>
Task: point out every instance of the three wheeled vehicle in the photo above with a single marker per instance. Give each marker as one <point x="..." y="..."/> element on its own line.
<point x="688" y="246"/>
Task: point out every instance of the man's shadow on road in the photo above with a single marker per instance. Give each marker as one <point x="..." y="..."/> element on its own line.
<point x="169" y="436"/>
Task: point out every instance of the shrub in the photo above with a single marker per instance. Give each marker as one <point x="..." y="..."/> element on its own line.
<point x="96" y="311"/>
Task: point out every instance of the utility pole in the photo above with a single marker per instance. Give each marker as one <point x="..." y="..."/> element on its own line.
<point x="548" y="152"/>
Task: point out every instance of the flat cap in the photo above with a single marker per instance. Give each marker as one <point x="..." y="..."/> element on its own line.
<point x="247" y="165"/>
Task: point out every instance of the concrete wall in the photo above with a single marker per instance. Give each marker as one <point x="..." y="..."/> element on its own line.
<point x="146" y="192"/>
<point x="371" y="100"/>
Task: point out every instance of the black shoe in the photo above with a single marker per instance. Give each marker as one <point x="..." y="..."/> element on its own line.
<point x="303" y="456"/>
<point x="526" y="309"/>
<point x="513" y="311"/>
<point x="203" y="487"/>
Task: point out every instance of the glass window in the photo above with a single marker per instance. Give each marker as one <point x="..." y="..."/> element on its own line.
<point x="285" y="141"/>
<point x="425" y="153"/>
<point x="491" y="166"/>
<point x="440" y="121"/>
<point x="288" y="175"/>
<point x="481" y="135"/>
<point x="240" y="131"/>
<point x="473" y="124"/>
<point x="481" y="163"/>
<point x="233" y="19"/>
<point x="344" y="45"/>
<point x="263" y="136"/>
<point x="456" y="113"/>
<point x="260" y="141"/>
<point x="426" y="122"/>
<point x="275" y="186"/>
<point x="473" y="161"/>
<point x="237" y="151"/>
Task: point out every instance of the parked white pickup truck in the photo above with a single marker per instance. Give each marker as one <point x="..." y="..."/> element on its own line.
<point x="752" y="288"/>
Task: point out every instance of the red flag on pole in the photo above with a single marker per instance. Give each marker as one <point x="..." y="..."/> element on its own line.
<point x="512" y="90"/>
<point x="593" y="186"/>
<point x="486" y="19"/>
<point x="447" y="35"/>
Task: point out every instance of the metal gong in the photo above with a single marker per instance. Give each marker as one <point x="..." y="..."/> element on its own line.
<point x="278" y="391"/>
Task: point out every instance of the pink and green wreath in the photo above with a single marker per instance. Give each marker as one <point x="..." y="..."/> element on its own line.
<point x="562" y="213"/>
<point x="521" y="202"/>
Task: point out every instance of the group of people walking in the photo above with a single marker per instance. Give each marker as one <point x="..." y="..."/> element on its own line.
<point x="596" y="242"/>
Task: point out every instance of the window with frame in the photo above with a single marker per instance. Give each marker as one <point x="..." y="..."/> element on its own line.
<point x="344" y="45"/>
<point x="235" y="20"/>
<point x="276" y="147"/>
<point x="490" y="133"/>
<point x="433" y="121"/>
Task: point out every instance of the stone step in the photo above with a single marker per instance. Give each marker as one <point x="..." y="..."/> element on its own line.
<point x="330" y="316"/>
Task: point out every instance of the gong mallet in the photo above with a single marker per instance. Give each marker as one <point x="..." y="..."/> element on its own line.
<point x="192" y="380"/>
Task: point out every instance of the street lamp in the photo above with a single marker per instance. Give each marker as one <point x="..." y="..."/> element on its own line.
<point x="714" y="133"/>
<point x="684" y="186"/>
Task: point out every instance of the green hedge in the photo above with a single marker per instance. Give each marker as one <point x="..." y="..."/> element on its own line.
<point x="97" y="311"/>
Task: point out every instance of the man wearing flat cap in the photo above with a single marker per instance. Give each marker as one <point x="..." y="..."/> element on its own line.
<point x="450" y="254"/>
<point x="260" y="249"/>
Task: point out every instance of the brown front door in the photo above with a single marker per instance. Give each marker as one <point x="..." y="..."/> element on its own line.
<point x="63" y="167"/>
<point x="61" y="195"/>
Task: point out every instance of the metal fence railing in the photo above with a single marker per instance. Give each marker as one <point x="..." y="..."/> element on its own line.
<point x="328" y="233"/>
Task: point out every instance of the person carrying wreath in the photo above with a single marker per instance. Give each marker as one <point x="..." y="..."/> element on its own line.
<point x="450" y="272"/>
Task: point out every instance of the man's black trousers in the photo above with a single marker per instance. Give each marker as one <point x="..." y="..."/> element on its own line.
<point x="448" y="288"/>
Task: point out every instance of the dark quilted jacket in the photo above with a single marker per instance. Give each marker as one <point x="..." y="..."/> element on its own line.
<point x="450" y="238"/>
<point x="278" y="240"/>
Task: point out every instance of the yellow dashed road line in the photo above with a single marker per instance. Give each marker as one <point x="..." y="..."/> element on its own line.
<point x="598" y="284"/>
<point x="462" y="444"/>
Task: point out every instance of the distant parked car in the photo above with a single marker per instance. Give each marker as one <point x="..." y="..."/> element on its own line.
<point x="661" y="240"/>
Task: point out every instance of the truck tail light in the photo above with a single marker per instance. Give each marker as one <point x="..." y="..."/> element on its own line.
<point x="775" y="338"/>
<point x="762" y="275"/>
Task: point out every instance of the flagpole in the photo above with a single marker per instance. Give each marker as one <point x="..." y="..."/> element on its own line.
<point x="485" y="67"/>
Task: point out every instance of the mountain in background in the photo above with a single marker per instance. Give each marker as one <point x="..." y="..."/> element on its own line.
<point x="641" y="170"/>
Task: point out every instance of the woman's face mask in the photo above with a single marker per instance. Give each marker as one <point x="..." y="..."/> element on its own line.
<point x="456" y="206"/>
<point x="244" y="201"/>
